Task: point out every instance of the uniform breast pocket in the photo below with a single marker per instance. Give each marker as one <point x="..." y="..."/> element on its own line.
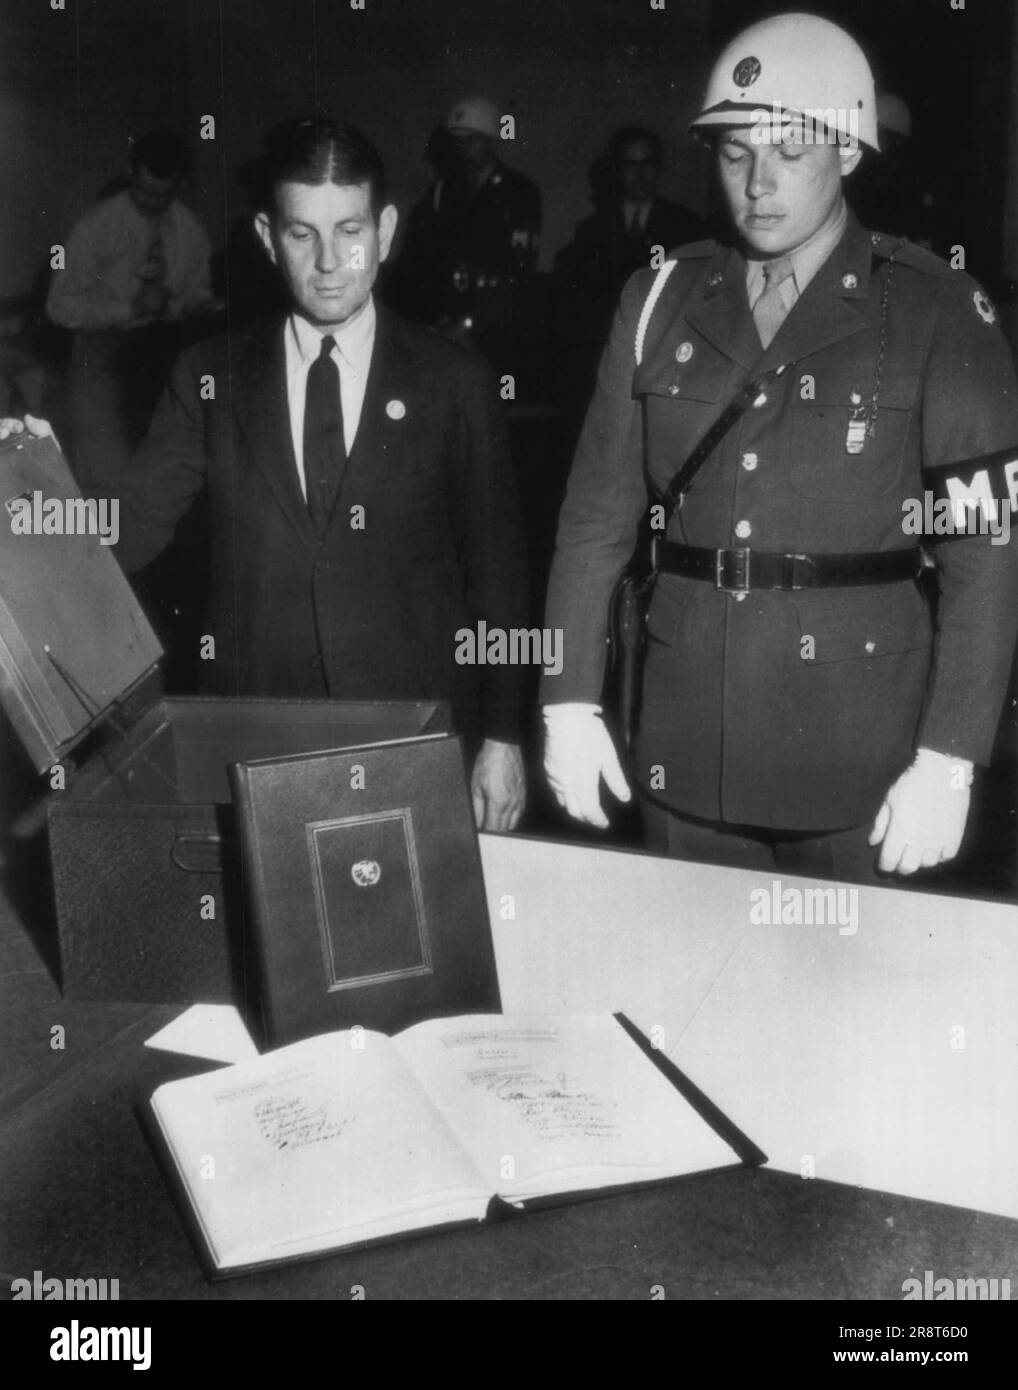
<point x="821" y="465"/>
<point x="680" y="403"/>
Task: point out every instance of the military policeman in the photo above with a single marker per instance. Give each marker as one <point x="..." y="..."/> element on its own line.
<point x="800" y="707"/>
<point x="473" y="239"/>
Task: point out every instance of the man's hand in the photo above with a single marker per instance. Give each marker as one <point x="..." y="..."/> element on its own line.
<point x="498" y="786"/>
<point x="578" y="752"/>
<point x="922" y="820"/>
<point x="10" y="425"/>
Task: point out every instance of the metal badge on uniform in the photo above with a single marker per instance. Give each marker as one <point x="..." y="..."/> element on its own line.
<point x="395" y="410"/>
<point x="855" y="439"/>
<point x="683" y="352"/>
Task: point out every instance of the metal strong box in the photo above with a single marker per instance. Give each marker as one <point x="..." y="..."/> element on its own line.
<point x="145" y="867"/>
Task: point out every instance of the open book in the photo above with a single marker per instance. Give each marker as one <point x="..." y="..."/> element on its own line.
<point x="354" y="1136"/>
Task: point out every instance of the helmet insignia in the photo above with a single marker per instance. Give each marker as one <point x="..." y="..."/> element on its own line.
<point x="746" y="72"/>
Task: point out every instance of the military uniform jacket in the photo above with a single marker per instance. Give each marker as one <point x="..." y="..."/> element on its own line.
<point x="459" y="250"/>
<point x="369" y="609"/>
<point x="795" y="710"/>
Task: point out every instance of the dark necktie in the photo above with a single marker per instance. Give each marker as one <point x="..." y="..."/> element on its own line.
<point x="770" y="311"/>
<point x="324" y="446"/>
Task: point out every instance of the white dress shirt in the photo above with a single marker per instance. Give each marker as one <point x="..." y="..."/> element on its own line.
<point x="105" y="263"/>
<point x="355" y="340"/>
<point x="635" y="215"/>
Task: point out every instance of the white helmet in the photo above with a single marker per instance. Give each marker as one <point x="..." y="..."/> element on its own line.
<point x="474" y="115"/>
<point x="798" y="65"/>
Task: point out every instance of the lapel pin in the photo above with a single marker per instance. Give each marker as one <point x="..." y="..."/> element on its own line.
<point x="395" y="410"/>
<point x="850" y="281"/>
<point x="683" y="352"/>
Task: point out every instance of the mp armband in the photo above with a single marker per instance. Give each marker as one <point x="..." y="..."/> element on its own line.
<point x="976" y="496"/>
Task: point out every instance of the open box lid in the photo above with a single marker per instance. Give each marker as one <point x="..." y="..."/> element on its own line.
<point x="73" y="639"/>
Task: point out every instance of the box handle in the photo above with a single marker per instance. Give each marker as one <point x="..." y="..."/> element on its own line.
<point x="197" y="854"/>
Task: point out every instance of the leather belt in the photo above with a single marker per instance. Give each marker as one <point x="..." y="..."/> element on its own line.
<point x="740" y="570"/>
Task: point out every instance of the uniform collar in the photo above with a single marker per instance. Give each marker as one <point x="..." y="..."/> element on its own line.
<point x="806" y="259"/>
<point x="821" y="317"/>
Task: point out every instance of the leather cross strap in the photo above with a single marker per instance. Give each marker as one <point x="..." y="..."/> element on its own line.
<point x="740" y="570"/>
<point x="671" y="498"/>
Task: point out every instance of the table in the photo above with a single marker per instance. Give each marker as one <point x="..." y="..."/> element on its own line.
<point x="814" y="1042"/>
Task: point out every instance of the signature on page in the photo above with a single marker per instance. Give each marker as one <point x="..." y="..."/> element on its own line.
<point x="551" y="1106"/>
<point x="290" y="1122"/>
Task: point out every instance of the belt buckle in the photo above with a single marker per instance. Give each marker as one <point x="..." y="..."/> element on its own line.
<point x="731" y="571"/>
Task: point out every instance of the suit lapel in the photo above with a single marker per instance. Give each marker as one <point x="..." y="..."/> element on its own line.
<point x="380" y="445"/>
<point x="263" y="412"/>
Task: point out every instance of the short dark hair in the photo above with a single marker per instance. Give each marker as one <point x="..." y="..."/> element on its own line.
<point x="629" y="135"/>
<point x="161" y="152"/>
<point x="316" y="150"/>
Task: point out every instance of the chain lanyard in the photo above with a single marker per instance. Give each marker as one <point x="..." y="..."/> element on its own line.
<point x="881" y="342"/>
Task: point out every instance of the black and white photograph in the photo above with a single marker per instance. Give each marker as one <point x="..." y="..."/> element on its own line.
<point x="508" y="686"/>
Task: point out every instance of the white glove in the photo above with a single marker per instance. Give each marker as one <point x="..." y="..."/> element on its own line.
<point x="578" y="752"/>
<point x="922" y="820"/>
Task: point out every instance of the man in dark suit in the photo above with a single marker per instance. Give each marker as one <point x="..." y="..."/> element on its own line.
<point x="630" y="221"/>
<point x="361" y="499"/>
<point x="800" y="706"/>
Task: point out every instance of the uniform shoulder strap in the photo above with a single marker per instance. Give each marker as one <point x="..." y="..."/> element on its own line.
<point x="660" y="280"/>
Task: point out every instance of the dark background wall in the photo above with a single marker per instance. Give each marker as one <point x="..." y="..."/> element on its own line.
<point x="76" y="84"/>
